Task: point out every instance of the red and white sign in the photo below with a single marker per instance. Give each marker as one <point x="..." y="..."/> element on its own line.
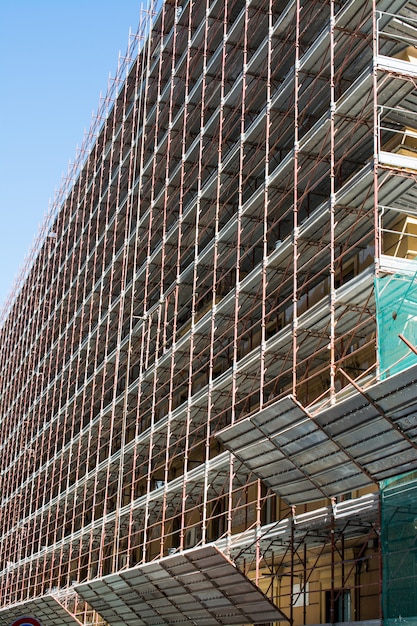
<point x="26" y="621"/>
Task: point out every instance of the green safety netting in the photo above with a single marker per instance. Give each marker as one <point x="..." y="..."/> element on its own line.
<point x="399" y="549"/>
<point x="396" y="308"/>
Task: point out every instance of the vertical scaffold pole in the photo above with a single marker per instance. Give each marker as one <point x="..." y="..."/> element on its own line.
<point x="214" y="291"/>
<point x="295" y="202"/>
<point x="332" y="207"/>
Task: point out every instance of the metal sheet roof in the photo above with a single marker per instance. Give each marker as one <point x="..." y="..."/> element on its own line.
<point x="199" y="585"/>
<point x="304" y="457"/>
<point x="46" y="610"/>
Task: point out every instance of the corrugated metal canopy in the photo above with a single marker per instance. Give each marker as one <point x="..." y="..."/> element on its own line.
<point x="304" y="457"/>
<point x="197" y="586"/>
<point x="46" y="610"/>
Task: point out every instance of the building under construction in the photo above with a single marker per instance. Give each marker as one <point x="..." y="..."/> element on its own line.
<point x="208" y="367"/>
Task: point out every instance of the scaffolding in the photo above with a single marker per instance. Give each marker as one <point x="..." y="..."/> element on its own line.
<point x="192" y="373"/>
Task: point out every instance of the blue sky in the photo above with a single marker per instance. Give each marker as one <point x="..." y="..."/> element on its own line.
<point x="55" y="59"/>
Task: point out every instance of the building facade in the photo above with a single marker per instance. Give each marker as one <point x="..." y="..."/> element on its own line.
<point x="207" y="371"/>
